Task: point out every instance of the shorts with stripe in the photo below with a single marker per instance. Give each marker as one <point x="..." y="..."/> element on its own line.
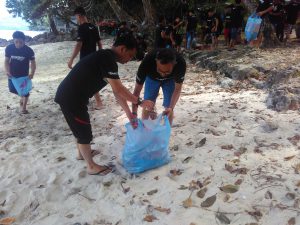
<point x="78" y="120"/>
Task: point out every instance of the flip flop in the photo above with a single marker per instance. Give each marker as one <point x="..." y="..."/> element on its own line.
<point x="103" y="172"/>
<point x="93" y="152"/>
<point x="24" y="112"/>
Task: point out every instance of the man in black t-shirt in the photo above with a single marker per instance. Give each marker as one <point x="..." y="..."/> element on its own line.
<point x="277" y="19"/>
<point x="237" y="22"/>
<point x="292" y="9"/>
<point x="18" y="58"/>
<point x="89" y="76"/>
<point x="190" y="29"/>
<point x="163" y="68"/>
<point x="87" y="39"/>
<point x="160" y="33"/>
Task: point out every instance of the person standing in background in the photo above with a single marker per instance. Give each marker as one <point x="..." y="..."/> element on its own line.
<point x="87" y="39"/>
<point x="18" y="57"/>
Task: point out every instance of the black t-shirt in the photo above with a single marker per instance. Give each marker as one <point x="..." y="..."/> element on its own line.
<point x="292" y="10"/>
<point x="89" y="36"/>
<point x="19" y="59"/>
<point x="263" y="5"/>
<point x="180" y="29"/>
<point x="237" y="16"/>
<point x="148" y="68"/>
<point x="227" y="20"/>
<point x="277" y="9"/>
<point x="191" y="23"/>
<point x="211" y="22"/>
<point x="87" y="77"/>
<point x="159" y="41"/>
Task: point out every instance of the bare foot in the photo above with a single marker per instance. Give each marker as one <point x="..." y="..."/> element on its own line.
<point x="93" y="152"/>
<point x="24" y="111"/>
<point x="99" y="170"/>
<point x="99" y="106"/>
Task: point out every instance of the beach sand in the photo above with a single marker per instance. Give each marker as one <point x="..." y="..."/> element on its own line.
<point x="252" y="149"/>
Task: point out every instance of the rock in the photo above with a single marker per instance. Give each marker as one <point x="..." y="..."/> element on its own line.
<point x="226" y="82"/>
<point x="269" y="126"/>
<point x="256" y="83"/>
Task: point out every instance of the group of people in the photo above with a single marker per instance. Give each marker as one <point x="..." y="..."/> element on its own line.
<point x="231" y="22"/>
<point x="162" y="68"/>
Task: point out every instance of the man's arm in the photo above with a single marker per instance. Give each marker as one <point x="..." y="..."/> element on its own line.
<point x="176" y="95"/>
<point x="32" y="68"/>
<point x="261" y="13"/>
<point x="137" y="91"/>
<point x="99" y="45"/>
<point x="76" y="50"/>
<point x="7" y="67"/>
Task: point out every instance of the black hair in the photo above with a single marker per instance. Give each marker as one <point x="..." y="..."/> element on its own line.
<point x="80" y="10"/>
<point x="211" y="10"/>
<point x="18" y="35"/>
<point x="238" y="1"/>
<point x="166" y="55"/>
<point x="126" y="39"/>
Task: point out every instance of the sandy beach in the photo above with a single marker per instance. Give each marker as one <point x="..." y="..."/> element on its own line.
<point x="233" y="159"/>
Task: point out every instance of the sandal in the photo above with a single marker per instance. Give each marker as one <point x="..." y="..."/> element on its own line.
<point x="103" y="172"/>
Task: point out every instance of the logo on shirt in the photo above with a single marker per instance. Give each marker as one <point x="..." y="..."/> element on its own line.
<point x="18" y="58"/>
<point x="113" y="73"/>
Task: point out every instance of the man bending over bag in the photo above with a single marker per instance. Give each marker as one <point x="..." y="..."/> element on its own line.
<point x="163" y="68"/>
<point x="88" y="77"/>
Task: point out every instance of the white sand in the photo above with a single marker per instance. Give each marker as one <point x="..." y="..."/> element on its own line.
<point x="41" y="183"/>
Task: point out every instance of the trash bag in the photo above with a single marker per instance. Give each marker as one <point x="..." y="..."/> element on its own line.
<point x="252" y="27"/>
<point x="147" y="146"/>
<point x="23" y="85"/>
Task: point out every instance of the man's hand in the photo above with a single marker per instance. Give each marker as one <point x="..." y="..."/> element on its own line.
<point x="147" y="104"/>
<point x="260" y="14"/>
<point x="70" y="63"/>
<point x="30" y="76"/>
<point x="168" y="112"/>
<point x="133" y="120"/>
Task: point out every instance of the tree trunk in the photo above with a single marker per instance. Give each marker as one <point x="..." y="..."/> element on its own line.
<point x="119" y="12"/>
<point x="52" y="24"/>
<point x="149" y="13"/>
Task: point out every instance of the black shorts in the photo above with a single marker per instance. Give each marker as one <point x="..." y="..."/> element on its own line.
<point x="78" y="120"/>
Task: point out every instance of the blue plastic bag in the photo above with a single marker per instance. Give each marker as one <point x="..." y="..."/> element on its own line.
<point x="147" y="146"/>
<point x="23" y="85"/>
<point x="252" y="27"/>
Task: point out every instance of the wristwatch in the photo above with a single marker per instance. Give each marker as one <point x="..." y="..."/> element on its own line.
<point x="140" y="101"/>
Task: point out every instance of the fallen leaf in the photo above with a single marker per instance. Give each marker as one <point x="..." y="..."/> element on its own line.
<point x="292" y="221"/>
<point x="256" y="214"/>
<point x="182" y="187"/>
<point x="222" y="218"/>
<point x="209" y="201"/>
<point x="7" y="221"/>
<point x="152" y="192"/>
<point x="189" y="143"/>
<point x="229" y="188"/>
<point x="227" y="147"/>
<point x="289" y="157"/>
<point x="187" y="159"/>
<point x="268" y="195"/>
<point x="201" y="143"/>
<point x="176" y="172"/>
<point x="60" y="158"/>
<point x="107" y="184"/>
<point x="150" y="218"/>
<point x="194" y="185"/>
<point x="229" y="168"/>
<point x="238" y="182"/>
<point x="226" y="198"/>
<point x="295" y="139"/>
<point x="297" y="203"/>
<point x="187" y="203"/>
<point x="298" y="183"/>
<point x="297" y="168"/>
<point x="290" y="196"/>
<point x="164" y="210"/>
<point x="202" y="192"/>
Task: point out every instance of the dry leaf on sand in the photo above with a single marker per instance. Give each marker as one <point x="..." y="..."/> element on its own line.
<point x="187" y="203"/>
<point x="7" y="221"/>
<point x="229" y="188"/>
<point x="165" y="210"/>
<point x="209" y="201"/>
<point x="150" y="218"/>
